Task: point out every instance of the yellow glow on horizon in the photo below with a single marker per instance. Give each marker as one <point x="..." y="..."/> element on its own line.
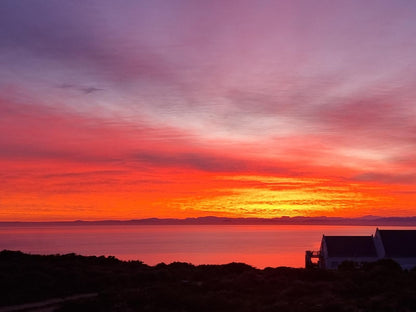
<point x="196" y="194"/>
<point x="273" y="179"/>
<point x="275" y="203"/>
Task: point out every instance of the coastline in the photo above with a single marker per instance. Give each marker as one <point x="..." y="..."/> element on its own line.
<point x="212" y="220"/>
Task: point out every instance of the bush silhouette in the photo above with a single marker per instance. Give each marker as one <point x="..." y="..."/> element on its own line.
<point x="134" y="286"/>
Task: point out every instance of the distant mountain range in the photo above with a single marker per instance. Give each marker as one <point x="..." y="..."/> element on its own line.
<point x="211" y="220"/>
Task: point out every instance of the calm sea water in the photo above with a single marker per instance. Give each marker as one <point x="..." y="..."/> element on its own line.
<point x="258" y="245"/>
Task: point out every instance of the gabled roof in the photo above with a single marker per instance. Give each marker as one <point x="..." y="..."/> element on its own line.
<point x="399" y="243"/>
<point x="350" y="246"/>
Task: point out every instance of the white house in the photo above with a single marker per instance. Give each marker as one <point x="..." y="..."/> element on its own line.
<point x="337" y="249"/>
<point x="399" y="245"/>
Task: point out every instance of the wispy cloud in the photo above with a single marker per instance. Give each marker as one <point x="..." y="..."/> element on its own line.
<point x="398" y="178"/>
<point x="86" y="90"/>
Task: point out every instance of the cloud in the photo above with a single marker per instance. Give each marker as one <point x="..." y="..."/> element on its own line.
<point x="86" y="90"/>
<point x="91" y="90"/>
<point x="399" y="178"/>
<point x="66" y="33"/>
<point x="34" y="131"/>
<point x="200" y="161"/>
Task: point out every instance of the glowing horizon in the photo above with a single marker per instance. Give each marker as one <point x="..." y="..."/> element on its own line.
<point x="192" y="108"/>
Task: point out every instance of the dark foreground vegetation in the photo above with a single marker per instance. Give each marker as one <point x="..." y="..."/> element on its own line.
<point x="134" y="286"/>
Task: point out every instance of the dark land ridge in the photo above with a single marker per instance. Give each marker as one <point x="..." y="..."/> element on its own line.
<point x="366" y="220"/>
<point x="108" y="284"/>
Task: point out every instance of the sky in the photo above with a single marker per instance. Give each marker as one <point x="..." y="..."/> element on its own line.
<point x="174" y="109"/>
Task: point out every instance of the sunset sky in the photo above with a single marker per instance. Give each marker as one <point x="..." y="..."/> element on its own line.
<point x="137" y="109"/>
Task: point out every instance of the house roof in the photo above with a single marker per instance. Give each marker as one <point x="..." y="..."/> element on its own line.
<point x="350" y="246"/>
<point x="399" y="243"/>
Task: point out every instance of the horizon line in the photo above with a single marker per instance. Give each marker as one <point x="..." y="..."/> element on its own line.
<point x="365" y="218"/>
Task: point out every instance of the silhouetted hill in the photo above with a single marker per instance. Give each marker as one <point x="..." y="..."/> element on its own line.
<point x="366" y="220"/>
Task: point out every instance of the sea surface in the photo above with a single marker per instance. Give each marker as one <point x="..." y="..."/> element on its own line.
<point x="258" y="245"/>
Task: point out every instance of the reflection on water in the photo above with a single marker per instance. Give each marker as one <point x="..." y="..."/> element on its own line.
<point x="257" y="245"/>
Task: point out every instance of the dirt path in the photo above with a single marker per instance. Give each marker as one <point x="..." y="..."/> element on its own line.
<point x="46" y="305"/>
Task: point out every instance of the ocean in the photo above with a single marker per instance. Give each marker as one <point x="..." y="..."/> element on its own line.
<point x="257" y="245"/>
